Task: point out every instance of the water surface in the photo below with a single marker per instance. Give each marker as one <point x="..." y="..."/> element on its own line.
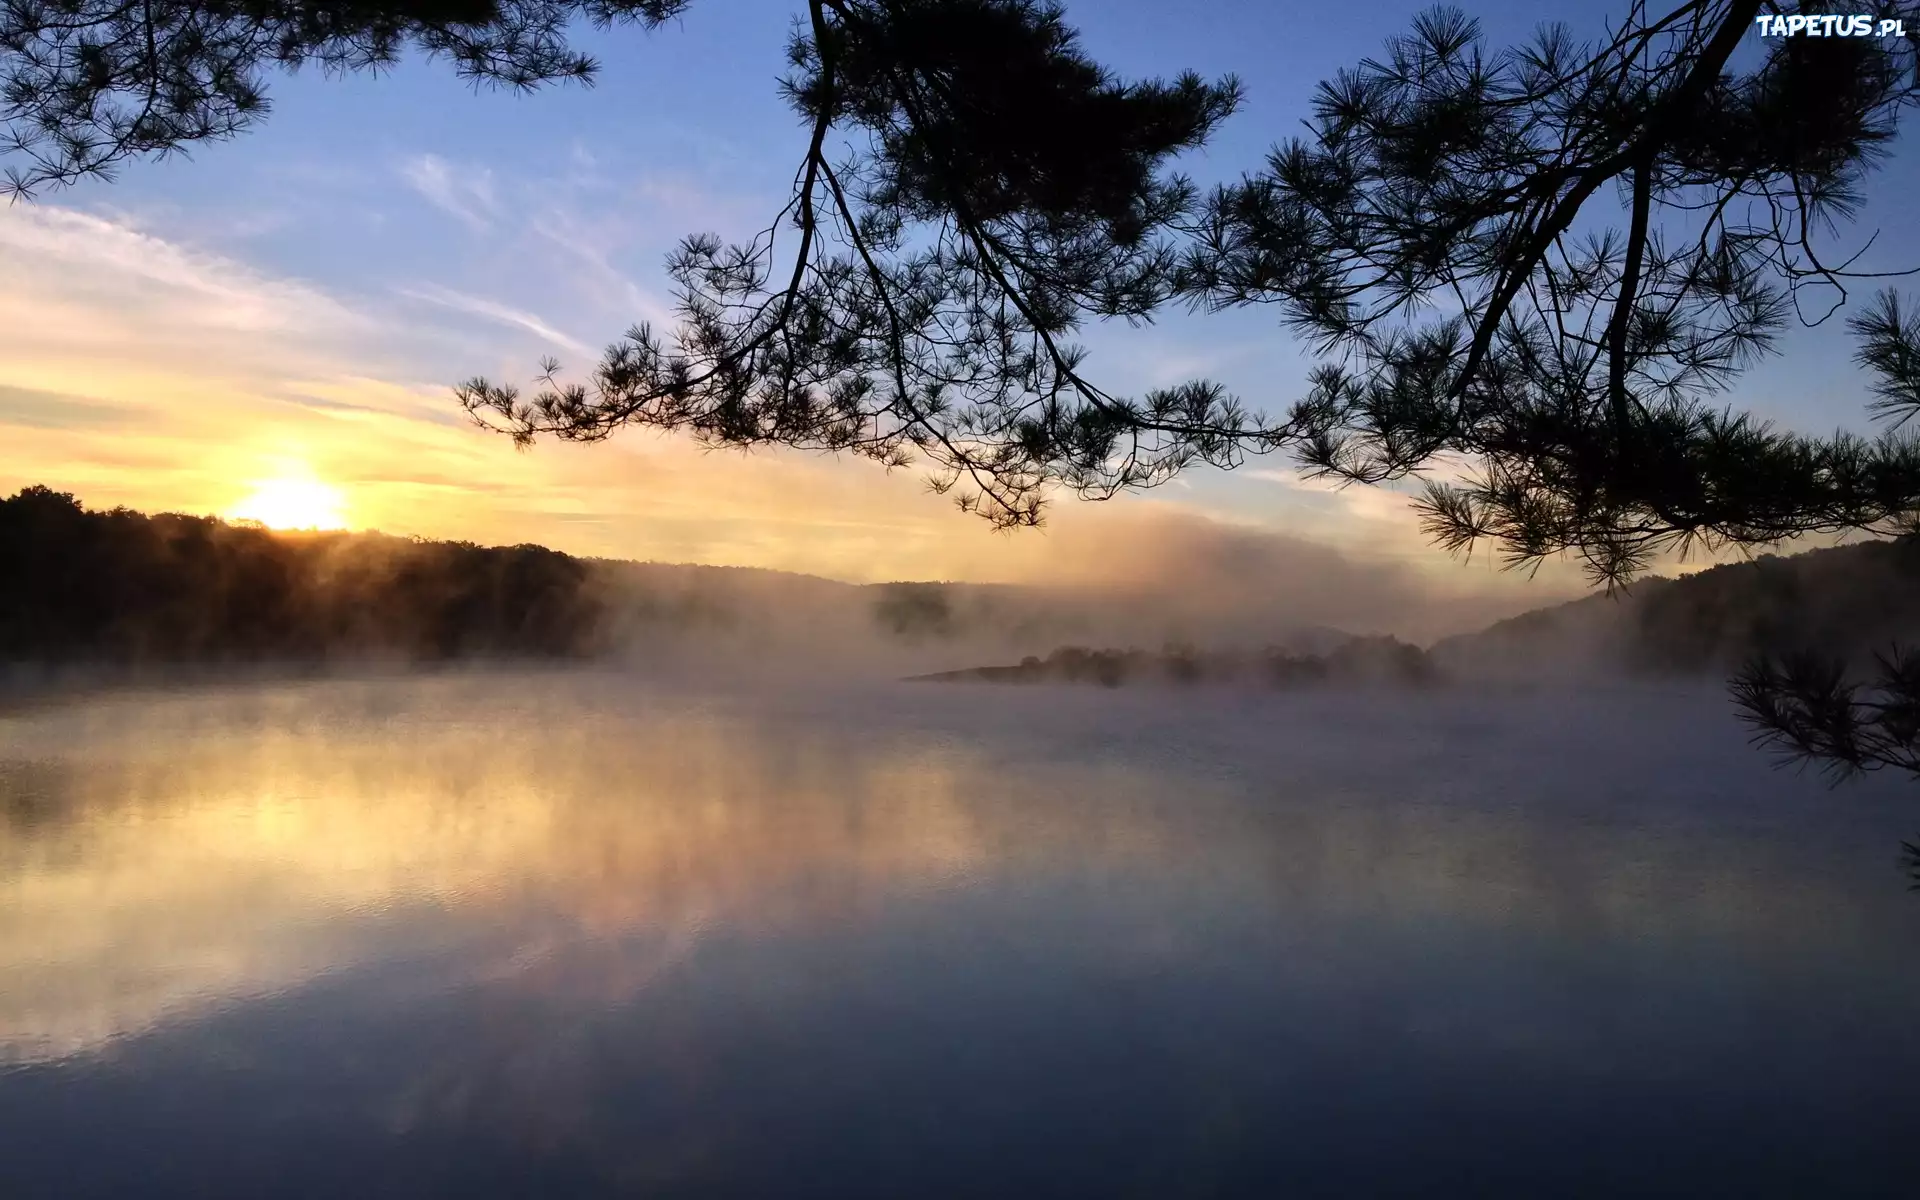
<point x="576" y="935"/>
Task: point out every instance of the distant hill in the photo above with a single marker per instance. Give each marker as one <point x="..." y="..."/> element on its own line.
<point x="119" y="587"/>
<point x="122" y="587"/>
<point x="1844" y="601"/>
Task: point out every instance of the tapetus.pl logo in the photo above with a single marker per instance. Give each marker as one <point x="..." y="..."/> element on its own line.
<point x="1830" y="25"/>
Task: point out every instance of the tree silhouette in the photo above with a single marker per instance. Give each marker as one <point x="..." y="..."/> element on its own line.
<point x="1450" y="234"/>
<point x="87" y="84"/>
<point x="1444" y="237"/>
<point x="1532" y="273"/>
<point x="122" y="588"/>
<point x="1806" y="709"/>
<point x="973" y="189"/>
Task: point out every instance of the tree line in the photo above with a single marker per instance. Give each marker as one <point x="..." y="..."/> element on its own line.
<point x="123" y="588"/>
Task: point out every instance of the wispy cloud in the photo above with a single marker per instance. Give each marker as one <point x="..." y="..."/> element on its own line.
<point x="464" y="193"/>
<point x="36" y="409"/>
<point x="614" y="226"/>
<point x="611" y="286"/>
<point x="479" y="306"/>
<point x="64" y="254"/>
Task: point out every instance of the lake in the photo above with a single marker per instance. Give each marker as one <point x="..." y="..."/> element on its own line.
<point x="549" y="934"/>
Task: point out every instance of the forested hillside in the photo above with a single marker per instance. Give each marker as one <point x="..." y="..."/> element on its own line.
<point x="1844" y="601"/>
<point x="124" y="587"/>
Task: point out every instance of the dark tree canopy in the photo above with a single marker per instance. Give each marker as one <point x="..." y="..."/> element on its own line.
<point x="1541" y="265"/>
<point x="1546" y="263"/>
<point x="87" y="84"/>
<point x="973" y="189"/>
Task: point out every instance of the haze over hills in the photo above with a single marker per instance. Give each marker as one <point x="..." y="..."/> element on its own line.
<point x="123" y="588"/>
<point x="1845" y="601"/>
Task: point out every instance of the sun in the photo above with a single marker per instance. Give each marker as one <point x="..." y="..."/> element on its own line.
<point x="293" y="504"/>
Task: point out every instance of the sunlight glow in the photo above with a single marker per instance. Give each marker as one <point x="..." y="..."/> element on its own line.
<point x="293" y="504"/>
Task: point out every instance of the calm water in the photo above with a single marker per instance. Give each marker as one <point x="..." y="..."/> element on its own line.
<point x="552" y="936"/>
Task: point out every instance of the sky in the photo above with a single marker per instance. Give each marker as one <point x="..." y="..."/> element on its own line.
<point x="290" y="310"/>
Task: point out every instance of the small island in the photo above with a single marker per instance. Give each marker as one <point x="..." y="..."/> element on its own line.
<point x="1359" y="660"/>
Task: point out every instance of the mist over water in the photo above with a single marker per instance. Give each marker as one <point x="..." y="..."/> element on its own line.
<point x="514" y="932"/>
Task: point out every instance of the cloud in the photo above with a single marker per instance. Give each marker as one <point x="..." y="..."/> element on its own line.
<point x="68" y="259"/>
<point x="481" y="307"/>
<point x="596" y="218"/>
<point x="101" y="309"/>
<point x="610" y="287"/>
<point x="35" y="409"/>
<point x="465" y="193"/>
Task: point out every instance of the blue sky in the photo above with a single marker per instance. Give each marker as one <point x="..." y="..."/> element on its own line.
<point x="298" y="301"/>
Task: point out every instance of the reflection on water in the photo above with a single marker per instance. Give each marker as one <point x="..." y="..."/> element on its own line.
<point x="554" y="935"/>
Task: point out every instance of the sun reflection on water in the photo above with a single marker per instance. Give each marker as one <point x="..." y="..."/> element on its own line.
<point x="168" y="855"/>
